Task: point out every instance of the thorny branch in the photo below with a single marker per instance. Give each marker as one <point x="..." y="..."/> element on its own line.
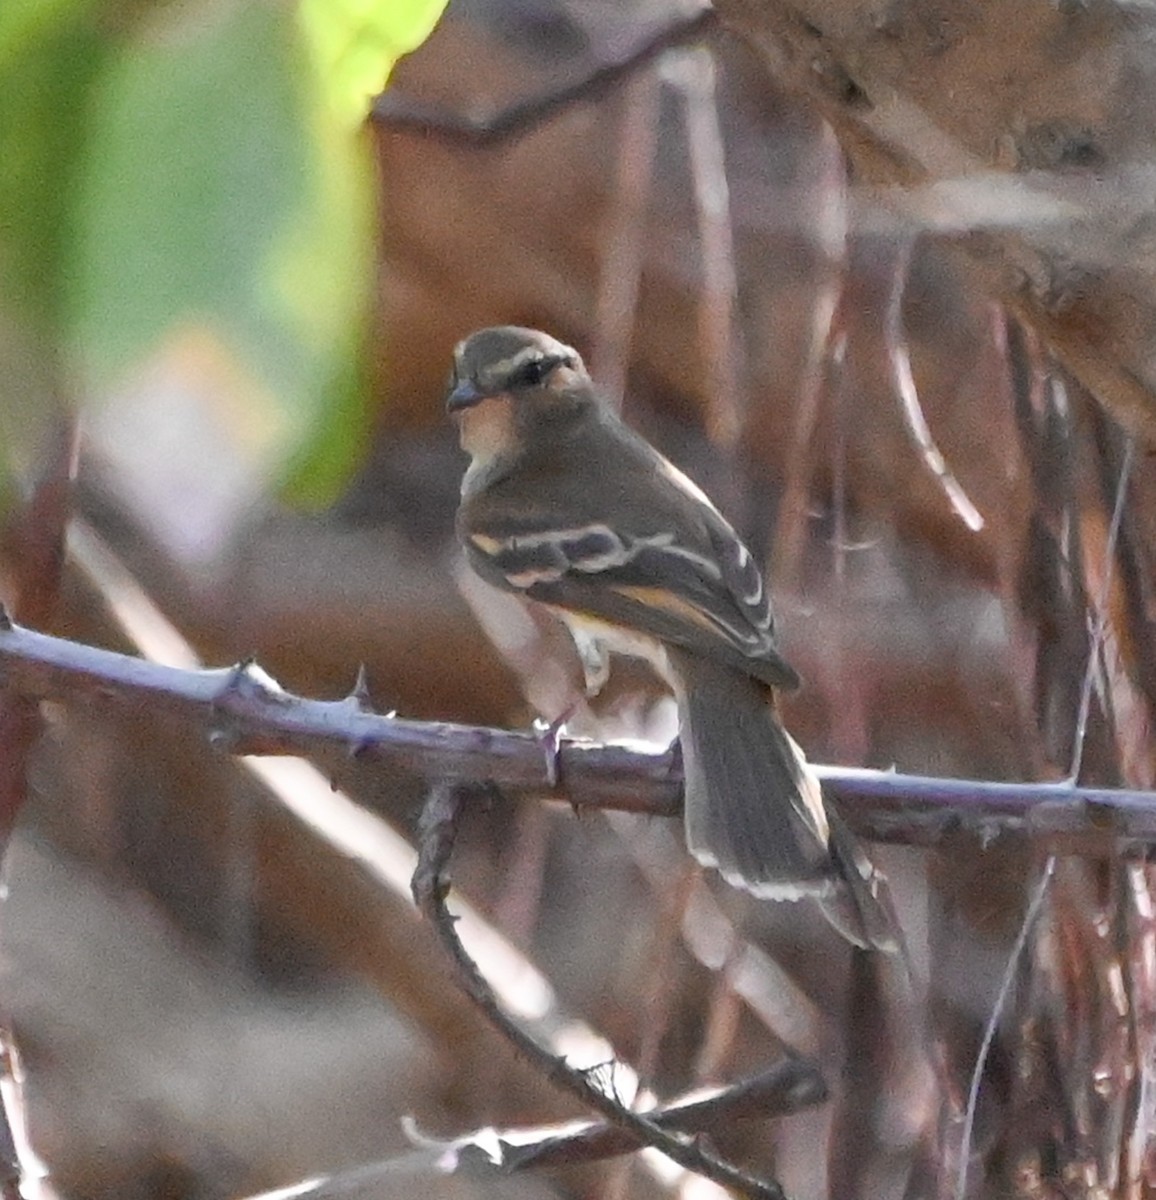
<point x="788" y="1087"/>
<point x="244" y="711"/>
<point x="439" y="823"/>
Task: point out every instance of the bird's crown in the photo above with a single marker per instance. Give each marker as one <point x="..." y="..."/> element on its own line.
<point x="506" y="358"/>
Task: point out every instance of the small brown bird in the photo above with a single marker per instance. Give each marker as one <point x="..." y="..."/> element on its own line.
<point x="564" y="504"/>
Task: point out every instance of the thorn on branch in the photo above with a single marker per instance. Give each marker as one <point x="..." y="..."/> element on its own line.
<point x="790" y="1086"/>
<point x="223" y="740"/>
<point x="359" y="747"/>
<point x="359" y="697"/>
<point x="247" y="680"/>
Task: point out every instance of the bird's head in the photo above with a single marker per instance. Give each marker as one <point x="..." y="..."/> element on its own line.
<point x="511" y="387"/>
<point x="508" y="361"/>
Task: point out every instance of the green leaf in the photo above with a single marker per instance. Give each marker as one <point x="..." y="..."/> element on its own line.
<point x="50" y="53"/>
<point x="354" y="45"/>
<point x="224" y="221"/>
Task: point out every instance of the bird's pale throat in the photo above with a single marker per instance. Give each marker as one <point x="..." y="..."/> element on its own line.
<point x="487" y="429"/>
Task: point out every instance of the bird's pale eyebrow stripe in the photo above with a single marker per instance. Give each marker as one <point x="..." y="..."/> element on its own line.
<point x="505" y="367"/>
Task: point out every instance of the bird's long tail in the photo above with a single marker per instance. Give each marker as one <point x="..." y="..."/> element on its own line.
<point x="754" y="807"/>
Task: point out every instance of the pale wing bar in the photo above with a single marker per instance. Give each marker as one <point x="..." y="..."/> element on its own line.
<point x="702" y="596"/>
<point x="526" y="559"/>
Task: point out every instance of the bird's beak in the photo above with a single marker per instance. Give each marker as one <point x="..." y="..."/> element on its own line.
<point x="464" y="395"/>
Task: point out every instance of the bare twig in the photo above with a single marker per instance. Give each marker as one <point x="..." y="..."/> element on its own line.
<point x="1099" y="621"/>
<point x="440" y="820"/>
<point x="826" y="345"/>
<point x="694" y="74"/>
<point x="914" y="420"/>
<point x="32" y="542"/>
<point x="788" y="1087"/>
<point x="33" y="545"/>
<point x="1141" y="991"/>
<point x="1099" y="629"/>
<point x="620" y="268"/>
<point x="1026" y="926"/>
<point x="392" y="110"/>
<point x="244" y="711"/>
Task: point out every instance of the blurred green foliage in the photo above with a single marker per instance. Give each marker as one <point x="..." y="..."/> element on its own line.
<point x="167" y="168"/>
<point x="355" y="43"/>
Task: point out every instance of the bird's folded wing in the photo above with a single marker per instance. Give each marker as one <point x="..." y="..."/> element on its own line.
<point x="709" y="599"/>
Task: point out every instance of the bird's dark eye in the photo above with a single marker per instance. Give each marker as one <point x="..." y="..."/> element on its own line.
<point x="534" y="371"/>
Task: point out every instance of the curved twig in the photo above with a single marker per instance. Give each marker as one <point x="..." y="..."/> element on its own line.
<point x="439" y="822"/>
<point x="393" y="110"/>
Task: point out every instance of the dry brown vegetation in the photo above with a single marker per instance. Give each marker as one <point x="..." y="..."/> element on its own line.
<point x="907" y="347"/>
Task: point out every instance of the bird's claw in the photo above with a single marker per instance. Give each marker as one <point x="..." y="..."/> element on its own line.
<point x="549" y="735"/>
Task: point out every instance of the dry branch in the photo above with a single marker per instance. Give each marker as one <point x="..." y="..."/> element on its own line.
<point x="33" y="535"/>
<point x="244" y="711"/>
<point x="595" y="1088"/>
<point x="1035" y="101"/>
<point x="786" y="1088"/>
<point x="395" y="111"/>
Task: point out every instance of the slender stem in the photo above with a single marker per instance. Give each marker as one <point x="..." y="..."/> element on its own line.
<point x="1040" y="892"/>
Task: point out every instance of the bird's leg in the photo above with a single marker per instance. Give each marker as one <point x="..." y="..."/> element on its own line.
<point x="594" y="657"/>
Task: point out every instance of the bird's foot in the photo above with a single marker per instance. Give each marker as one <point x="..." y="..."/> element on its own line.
<point x="549" y="735"/>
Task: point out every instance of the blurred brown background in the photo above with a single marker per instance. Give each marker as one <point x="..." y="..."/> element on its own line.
<point x="749" y="240"/>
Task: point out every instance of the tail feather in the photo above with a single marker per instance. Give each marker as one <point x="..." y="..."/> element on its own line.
<point x="754" y="808"/>
<point x="861" y="909"/>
